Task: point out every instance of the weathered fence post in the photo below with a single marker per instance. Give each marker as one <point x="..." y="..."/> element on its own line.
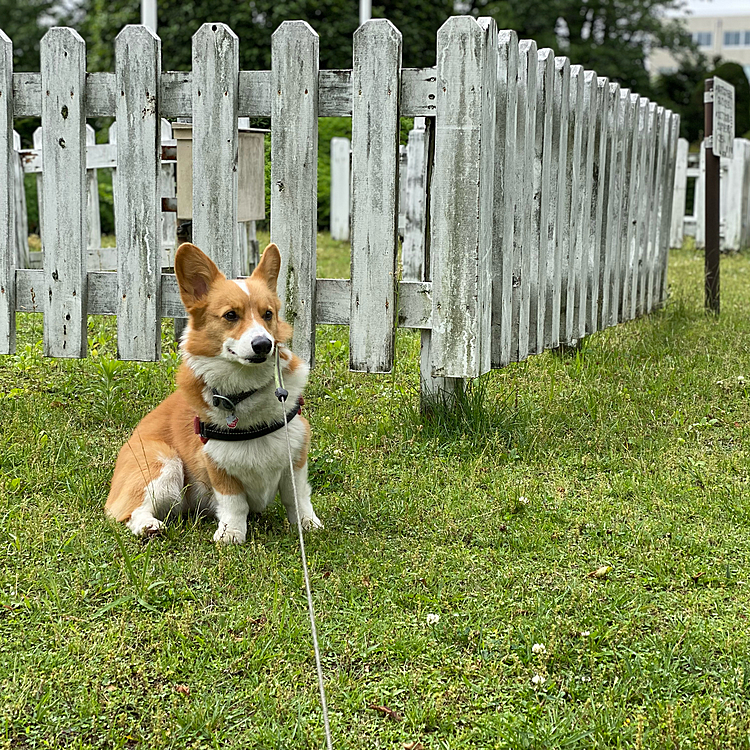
<point x="340" y="184"/>
<point x="138" y="206"/>
<point x="677" y="226"/>
<point x="7" y="200"/>
<point x="294" y="175"/>
<point x="413" y="247"/>
<point x="523" y="284"/>
<point x="215" y="138"/>
<point x="599" y="195"/>
<point x="582" y="206"/>
<point x="558" y="216"/>
<point x="21" y="217"/>
<point x="506" y="113"/>
<point x="670" y="158"/>
<point x="590" y="218"/>
<point x="462" y="200"/>
<point x="646" y="177"/>
<point x="735" y="197"/>
<point x="610" y="205"/>
<point x="637" y="134"/>
<point x="376" y="82"/>
<point x="63" y="62"/>
<point x="542" y="248"/>
<point x="93" y="219"/>
<point x="571" y="210"/>
<point x="168" y="189"/>
<point x="627" y="111"/>
<point x="660" y="143"/>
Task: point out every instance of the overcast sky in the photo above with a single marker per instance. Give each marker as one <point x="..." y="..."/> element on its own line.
<point x="719" y="7"/>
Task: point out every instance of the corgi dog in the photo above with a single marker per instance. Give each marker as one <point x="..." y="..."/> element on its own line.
<point x="217" y="444"/>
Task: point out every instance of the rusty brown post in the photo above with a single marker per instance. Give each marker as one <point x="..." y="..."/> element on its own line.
<point x="712" y="214"/>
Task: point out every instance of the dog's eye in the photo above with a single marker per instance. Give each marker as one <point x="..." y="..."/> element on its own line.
<point x="231" y="315"/>
<point x="268" y="314"/>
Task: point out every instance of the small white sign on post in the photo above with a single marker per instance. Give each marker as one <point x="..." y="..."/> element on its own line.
<point x="723" y="118"/>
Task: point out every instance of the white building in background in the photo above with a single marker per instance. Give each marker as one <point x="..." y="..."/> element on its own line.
<point x="727" y="36"/>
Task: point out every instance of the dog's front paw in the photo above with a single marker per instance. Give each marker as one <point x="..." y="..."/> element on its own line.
<point x="227" y="535"/>
<point x="309" y="521"/>
<point x="308" y="524"/>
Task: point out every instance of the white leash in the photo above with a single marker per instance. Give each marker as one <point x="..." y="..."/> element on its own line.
<point x="281" y="394"/>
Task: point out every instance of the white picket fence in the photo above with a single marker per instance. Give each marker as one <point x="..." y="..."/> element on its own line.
<point x="549" y="197"/>
<point x="690" y="175"/>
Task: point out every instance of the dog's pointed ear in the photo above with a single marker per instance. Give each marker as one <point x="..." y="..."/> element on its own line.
<point x="195" y="273"/>
<point x="268" y="269"/>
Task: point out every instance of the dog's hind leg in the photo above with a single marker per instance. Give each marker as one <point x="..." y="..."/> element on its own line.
<point x="146" y="487"/>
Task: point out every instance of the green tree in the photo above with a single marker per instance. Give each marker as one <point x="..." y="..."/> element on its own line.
<point x="676" y="91"/>
<point x="612" y="37"/>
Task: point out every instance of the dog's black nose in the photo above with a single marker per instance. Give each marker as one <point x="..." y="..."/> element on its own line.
<point x="261" y="345"/>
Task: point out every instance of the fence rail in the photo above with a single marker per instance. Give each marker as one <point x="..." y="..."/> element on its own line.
<point x="545" y="201"/>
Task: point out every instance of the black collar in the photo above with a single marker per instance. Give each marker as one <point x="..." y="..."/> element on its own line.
<point x="208" y="431"/>
<point x="230" y="402"/>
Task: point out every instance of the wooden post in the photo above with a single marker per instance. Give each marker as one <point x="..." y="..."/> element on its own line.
<point x="558" y="213"/>
<point x="713" y="208"/>
<point x="168" y="189"/>
<point x="294" y="175"/>
<point x="215" y="138"/>
<point x="610" y="206"/>
<point x="523" y="196"/>
<point x="628" y="114"/>
<point x="699" y="199"/>
<point x="139" y="253"/>
<point x="93" y="218"/>
<point x="677" y="225"/>
<point x="376" y="77"/>
<point x="504" y="187"/>
<point x="340" y="184"/>
<point x="413" y="248"/>
<point x="668" y="209"/>
<point x="542" y="248"/>
<point x="63" y="63"/>
<point x="21" y="216"/>
<point x="7" y="198"/>
<point x="462" y="200"/>
<point x="571" y="209"/>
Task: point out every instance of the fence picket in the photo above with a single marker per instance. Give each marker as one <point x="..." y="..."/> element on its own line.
<point x="21" y="221"/>
<point x="504" y="186"/>
<point x="462" y="184"/>
<point x="294" y="175"/>
<point x="340" y="187"/>
<point x="610" y="206"/>
<point x="375" y="199"/>
<point x="668" y="209"/>
<point x="415" y="230"/>
<point x="215" y="94"/>
<point x="558" y="216"/>
<point x="659" y="147"/>
<point x="630" y="224"/>
<point x="168" y="189"/>
<point x="523" y="287"/>
<point x="63" y="62"/>
<point x="571" y="205"/>
<point x="676" y="234"/>
<point x="542" y="250"/>
<point x="138" y="206"/>
<point x="7" y="202"/>
<point x="582" y="206"/>
<point x="599" y="151"/>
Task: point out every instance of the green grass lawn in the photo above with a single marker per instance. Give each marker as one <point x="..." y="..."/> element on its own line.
<point x="452" y="581"/>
